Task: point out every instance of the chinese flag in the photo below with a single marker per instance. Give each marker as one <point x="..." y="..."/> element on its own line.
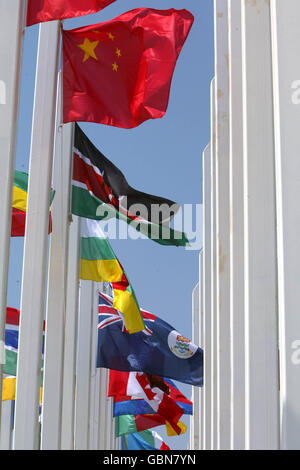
<point x="119" y="73"/>
<point x="46" y="10"/>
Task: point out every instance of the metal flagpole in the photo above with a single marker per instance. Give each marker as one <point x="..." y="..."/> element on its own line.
<point x="70" y="340"/>
<point x="36" y="239"/>
<point x="261" y="301"/>
<point x="83" y="366"/>
<point x="222" y="225"/>
<point x="237" y="303"/>
<point x="57" y="282"/>
<point x="11" y="25"/>
<point x="286" y="73"/>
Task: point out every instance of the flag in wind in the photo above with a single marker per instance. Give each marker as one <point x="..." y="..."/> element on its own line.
<point x="125" y="404"/>
<point x="19" y="205"/>
<point x="128" y="424"/>
<point x="39" y="11"/>
<point x="11" y="353"/>
<point x="119" y="72"/>
<point x="101" y="191"/>
<point x="139" y="385"/>
<point x="159" y="349"/>
<point x="144" y="440"/>
<point x="99" y="263"/>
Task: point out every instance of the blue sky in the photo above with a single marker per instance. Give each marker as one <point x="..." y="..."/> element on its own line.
<point x="161" y="157"/>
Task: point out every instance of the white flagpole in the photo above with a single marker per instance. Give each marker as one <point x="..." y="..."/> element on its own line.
<point x="57" y="283"/>
<point x="237" y="301"/>
<point x="70" y="340"/>
<point x="222" y="225"/>
<point x="11" y="24"/>
<point x="261" y="295"/>
<point x="286" y="74"/>
<point x="36" y="239"/>
<point x="83" y="366"/>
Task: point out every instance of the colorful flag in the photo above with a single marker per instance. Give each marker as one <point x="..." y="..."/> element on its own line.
<point x="100" y="264"/>
<point x="39" y="11"/>
<point x="11" y="353"/>
<point x="161" y="403"/>
<point x="144" y="440"/>
<point x="98" y="261"/>
<point x="119" y="73"/>
<point x="19" y="205"/>
<point x="159" y="349"/>
<point x="128" y="424"/>
<point x="131" y="405"/>
<point x="98" y="183"/>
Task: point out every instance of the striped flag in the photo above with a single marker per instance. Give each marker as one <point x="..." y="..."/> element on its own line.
<point x="19" y="205"/>
<point x="125" y="404"/>
<point x="138" y="385"/>
<point x="99" y="263"/>
<point x="11" y="353"/>
<point x="128" y="424"/>
<point x="101" y="191"/>
<point x="144" y="440"/>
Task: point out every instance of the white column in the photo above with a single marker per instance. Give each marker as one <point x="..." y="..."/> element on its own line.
<point x="5" y="428"/>
<point x="222" y="224"/>
<point x="206" y="284"/>
<point x="36" y="239"/>
<point x="213" y="418"/>
<point x="103" y="410"/>
<point x="261" y="307"/>
<point x="83" y="368"/>
<point x="286" y="75"/>
<point x="95" y="374"/>
<point x="57" y="285"/>
<point x="196" y="417"/>
<point x="237" y="232"/>
<point x="70" y="339"/>
<point x="11" y="23"/>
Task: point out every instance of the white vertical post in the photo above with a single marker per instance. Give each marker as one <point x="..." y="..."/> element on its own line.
<point x="196" y="417"/>
<point x="95" y="373"/>
<point x="207" y="312"/>
<point x="36" y="239"/>
<point x="70" y="339"/>
<point x="103" y="410"/>
<point x="286" y="75"/>
<point x="261" y="327"/>
<point x="5" y="428"/>
<point x="11" y="23"/>
<point x="57" y="284"/>
<point x="222" y="224"/>
<point x="213" y="417"/>
<point x="236" y="224"/>
<point x="83" y="369"/>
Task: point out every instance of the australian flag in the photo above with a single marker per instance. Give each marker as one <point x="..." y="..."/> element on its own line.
<point x="159" y="349"/>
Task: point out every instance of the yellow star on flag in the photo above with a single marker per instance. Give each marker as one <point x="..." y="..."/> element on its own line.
<point x="118" y="52"/>
<point x="115" y="67"/>
<point x="111" y="36"/>
<point x="88" y="48"/>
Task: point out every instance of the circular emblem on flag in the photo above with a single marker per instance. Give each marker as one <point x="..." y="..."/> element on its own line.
<point x="181" y="346"/>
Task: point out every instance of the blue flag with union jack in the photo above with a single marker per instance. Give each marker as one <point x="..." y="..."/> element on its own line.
<point x="159" y="349"/>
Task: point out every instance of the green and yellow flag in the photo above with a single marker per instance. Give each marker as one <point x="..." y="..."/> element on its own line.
<point x="99" y="263"/>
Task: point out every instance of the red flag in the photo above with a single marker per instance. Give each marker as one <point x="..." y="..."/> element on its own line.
<point x="162" y="404"/>
<point x="18" y="222"/>
<point x="119" y="73"/>
<point x="46" y="10"/>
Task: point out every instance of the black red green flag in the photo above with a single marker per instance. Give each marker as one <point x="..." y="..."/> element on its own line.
<point x="99" y="184"/>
